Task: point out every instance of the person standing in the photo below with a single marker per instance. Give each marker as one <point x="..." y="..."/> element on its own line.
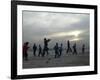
<point x="68" y="47"/>
<point x="40" y="50"/>
<point x="60" y="50"/>
<point x="45" y="50"/>
<point x="25" y="49"/>
<point x="74" y="49"/>
<point x="83" y="48"/>
<point x="34" y="49"/>
<point x="56" y="48"/>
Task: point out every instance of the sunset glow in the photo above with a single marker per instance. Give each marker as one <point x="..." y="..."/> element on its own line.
<point x="63" y="34"/>
<point x="76" y="39"/>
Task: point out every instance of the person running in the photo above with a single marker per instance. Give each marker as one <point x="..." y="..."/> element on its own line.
<point x="56" y="48"/>
<point x="46" y="41"/>
<point x="25" y="49"/>
<point x="68" y="47"/>
<point x="60" y="50"/>
<point x="74" y="49"/>
<point x="34" y="49"/>
<point x="83" y="48"/>
<point x="40" y="50"/>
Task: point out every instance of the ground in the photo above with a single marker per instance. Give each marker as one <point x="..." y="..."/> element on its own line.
<point x="49" y="61"/>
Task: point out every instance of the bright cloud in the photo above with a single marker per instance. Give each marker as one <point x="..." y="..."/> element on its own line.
<point x="62" y="34"/>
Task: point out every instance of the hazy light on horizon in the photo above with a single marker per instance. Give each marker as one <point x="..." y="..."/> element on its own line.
<point x="62" y="34"/>
<point x="76" y="39"/>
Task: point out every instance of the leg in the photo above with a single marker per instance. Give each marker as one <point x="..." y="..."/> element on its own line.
<point x="47" y="52"/>
<point x="73" y="51"/>
<point x="70" y="49"/>
<point x="26" y="56"/>
<point x="67" y="51"/>
<point x="39" y="53"/>
<point x="60" y="53"/>
<point x="43" y="53"/>
<point x="34" y="52"/>
<point x="55" y="54"/>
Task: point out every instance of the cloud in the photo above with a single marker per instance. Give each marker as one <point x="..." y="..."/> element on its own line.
<point x="62" y="26"/>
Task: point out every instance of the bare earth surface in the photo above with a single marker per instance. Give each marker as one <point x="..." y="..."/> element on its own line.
<point x="49" y="61"/>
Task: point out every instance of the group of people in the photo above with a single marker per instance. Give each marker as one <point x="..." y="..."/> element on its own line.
<point x="41" y="52"/>
<point x="58" y="49"/>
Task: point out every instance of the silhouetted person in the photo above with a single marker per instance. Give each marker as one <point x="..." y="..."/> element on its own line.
<point x="68" y="47"/>
<point x="34" y="49"/>
<point x="74" y="49"/>
<point x="56" y="48"/>
<point x="40" y="50"/>
<point x="83" y="48"/>
<point x="46" y="46"/>
<point x="25" y="49"/>
<point x="60" y="49"/>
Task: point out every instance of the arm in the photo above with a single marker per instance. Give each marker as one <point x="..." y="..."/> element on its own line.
<point x="49" y="40"/>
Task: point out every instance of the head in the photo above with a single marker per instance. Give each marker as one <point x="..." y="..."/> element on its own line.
<point x="44" y="38"/>
<point x="27" y="43"/>
<point x="56" y="43"/>
<point x="83" y="44"/>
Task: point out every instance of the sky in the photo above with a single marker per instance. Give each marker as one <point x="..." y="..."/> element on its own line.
<point x="57" y="26"/>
